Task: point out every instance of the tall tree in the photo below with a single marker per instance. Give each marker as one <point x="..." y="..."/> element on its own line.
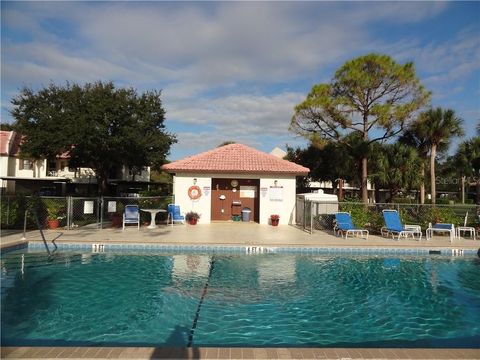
<point x="440" y="125"/>
<point x="394" y="167"/>
<point x="467" y="163"/>
<point x="100" y="126"/>
<point x="417" y="136"/>
<point x="372" y="96"/>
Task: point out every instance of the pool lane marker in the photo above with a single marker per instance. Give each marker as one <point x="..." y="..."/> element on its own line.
<point x="197" y="313"/>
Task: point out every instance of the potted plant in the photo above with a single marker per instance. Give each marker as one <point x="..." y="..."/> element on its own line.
<point x="117" y="216"/>
<point x="54" y="214"/>
<point x="274" y="219"/>
<point x="192" y="217"/>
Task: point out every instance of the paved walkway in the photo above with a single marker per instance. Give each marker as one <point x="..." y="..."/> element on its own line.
<point x="230" y="234"/>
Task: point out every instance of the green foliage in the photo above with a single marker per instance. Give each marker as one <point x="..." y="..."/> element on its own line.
<point x="395" y="167"/>
<point x="101" y="127"/>
<point x="362" y="217"/>
<point x="328" y="163"/>
<point x="369" y="93"/>
<point x="56" y="209"/>
<point x="13" y="211"/>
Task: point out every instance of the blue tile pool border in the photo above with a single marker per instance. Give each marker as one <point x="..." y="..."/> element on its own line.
<point x="8" y="248"/>
<point x="126" y="248"/>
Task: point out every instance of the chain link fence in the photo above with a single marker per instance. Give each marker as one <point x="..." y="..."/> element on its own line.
<point x="18" y="211"/>
<point x="317" y="215"/>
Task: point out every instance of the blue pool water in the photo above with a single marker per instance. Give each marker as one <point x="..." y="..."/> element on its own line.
<point x="239" y="300"/>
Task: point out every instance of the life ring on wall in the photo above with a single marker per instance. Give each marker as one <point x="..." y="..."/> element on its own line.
<point x="194" y="192"/>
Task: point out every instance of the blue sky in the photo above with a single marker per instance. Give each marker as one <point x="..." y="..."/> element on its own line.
<point x="235" y="70"/>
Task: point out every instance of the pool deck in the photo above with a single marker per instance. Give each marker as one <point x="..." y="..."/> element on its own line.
<point x="230" y="234"/>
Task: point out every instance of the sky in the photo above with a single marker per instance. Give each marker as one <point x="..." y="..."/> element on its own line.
<point x="234" y="71"/>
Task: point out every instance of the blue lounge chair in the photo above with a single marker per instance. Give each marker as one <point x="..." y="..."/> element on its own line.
<point x="174" y="214"/>
<point x="393" y="226"/>
<point x="344" y="225"/>
<point x="131" y="215"/>
<point x="441" y="228"/>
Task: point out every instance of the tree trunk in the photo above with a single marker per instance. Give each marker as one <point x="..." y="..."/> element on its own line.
<point x="422" y="182"/>
<point x="433" y="154"/>
<point x="463" y="188"/>
<point x="477" y="186"/>
<point x="102" y="179"/>
<point x="340" y="189"/>
<point x="364" y="180"/>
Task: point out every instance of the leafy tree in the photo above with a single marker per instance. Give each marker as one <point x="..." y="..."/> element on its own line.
<point x="371" y="96"/>
<point x="6" y="127"/>
<point x="328" y="163"/>
<point x="439" y="127"/>
<point x="100" y="126"/>
<point x="395" y="167"/>
<point x="226" y="143"/>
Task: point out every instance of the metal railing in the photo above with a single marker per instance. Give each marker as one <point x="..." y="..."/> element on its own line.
<point x="313" y="216"/>
<point x="72" y="212"/>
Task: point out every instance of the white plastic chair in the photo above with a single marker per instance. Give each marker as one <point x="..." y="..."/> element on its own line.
<point x="465" y="228"/>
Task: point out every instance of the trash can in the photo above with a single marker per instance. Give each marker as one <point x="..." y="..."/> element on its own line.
<point x="246" y="214"/>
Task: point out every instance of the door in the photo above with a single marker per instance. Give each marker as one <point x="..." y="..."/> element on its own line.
<point x="227" y="191"/>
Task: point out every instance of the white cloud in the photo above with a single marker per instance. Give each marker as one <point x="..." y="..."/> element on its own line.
<point x="216" y="62"/>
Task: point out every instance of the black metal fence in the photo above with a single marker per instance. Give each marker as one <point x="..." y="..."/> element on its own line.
<point x="317" y="215"/>
<point x="74" y="212"/>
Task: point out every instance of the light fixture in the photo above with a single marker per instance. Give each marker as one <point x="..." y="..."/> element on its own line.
<point x="275" y="182"/>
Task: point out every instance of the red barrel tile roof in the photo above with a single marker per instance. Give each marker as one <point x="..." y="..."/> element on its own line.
<point x="6" y="148"/>
<point x="235" y="158"/>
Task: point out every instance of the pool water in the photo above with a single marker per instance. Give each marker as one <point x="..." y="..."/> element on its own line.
<point x="239" y="300"/>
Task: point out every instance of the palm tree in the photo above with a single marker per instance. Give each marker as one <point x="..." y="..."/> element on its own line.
<point x="467" y="163"/>
<point x="395" y="167"/>
<point x="416" y="137"/>
<point x="441" y="125"/>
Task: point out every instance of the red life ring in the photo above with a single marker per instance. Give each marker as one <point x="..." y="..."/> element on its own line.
<point x="194" y="192"/>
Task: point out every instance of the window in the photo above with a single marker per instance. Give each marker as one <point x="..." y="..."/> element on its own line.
<point x="26" y="164"/>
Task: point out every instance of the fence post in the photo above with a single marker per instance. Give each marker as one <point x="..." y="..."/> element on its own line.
<point x="69" y="212"/>
<point x="100" y="205"/>
<point x="311" y="218"/>
<point x="25" y="226"/>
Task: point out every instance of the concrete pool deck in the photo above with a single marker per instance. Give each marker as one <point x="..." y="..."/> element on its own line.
<point x="230" y="234"/>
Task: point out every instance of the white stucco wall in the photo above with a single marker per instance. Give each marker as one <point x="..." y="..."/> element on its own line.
<point x="285" y="207"/>
<point x="181" y="183"/>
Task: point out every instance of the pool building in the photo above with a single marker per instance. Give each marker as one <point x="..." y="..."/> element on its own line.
<point x="230" y="181"/>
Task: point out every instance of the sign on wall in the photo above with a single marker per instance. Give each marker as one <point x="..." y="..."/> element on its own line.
<point x="248" y="191"/>
<point x="276" y="193"/>
<point x="112" y="206"/>
<point x="88" y="207"/>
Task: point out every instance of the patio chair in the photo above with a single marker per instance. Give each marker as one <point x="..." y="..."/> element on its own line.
<point x="393" y="226"/>
<point x="344" y="225"/>
<point x="131" y="215"/>
<point x="441" y="228"/>
<point x="174" y="214"/>
<point x="465" y="228"/>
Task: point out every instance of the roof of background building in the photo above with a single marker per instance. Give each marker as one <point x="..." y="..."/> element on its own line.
<point x="235" y="158"/>
<point x="9" y="143"/>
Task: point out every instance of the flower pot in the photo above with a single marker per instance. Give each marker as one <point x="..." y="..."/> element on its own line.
<point x="274" y="222"/>
<point x="192" y="221"/>
<point x="117" y="220"/>
<point x="53" y="223"/>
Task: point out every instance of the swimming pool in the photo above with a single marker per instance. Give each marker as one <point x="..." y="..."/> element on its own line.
<point x="192" y="299"/>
